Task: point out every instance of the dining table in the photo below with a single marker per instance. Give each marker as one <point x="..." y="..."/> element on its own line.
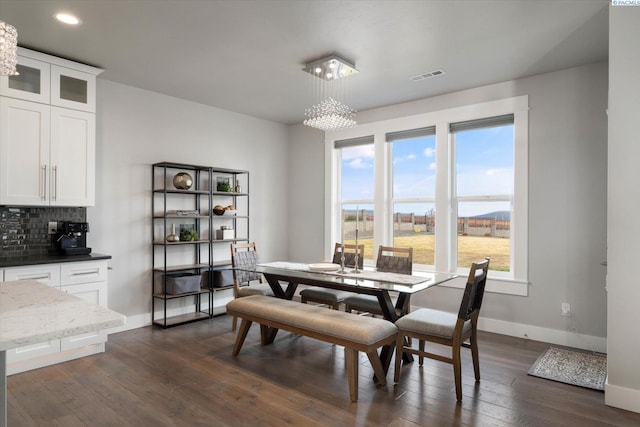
<point x="362" y="281"/>
<point x="32" y="312"/>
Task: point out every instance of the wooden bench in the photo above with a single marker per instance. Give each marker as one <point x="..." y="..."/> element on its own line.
<point x="355" y="333"/>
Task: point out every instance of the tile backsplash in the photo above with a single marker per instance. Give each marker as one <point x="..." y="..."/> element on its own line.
<point x="23" y="230"/>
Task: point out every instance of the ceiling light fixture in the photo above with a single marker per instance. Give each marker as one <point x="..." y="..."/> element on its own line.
<point x="8" y="49"/>
<point x="329" y="113"/>
<point x="67" y="18"/>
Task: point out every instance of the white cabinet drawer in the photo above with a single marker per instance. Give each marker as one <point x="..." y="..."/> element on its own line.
<point x="95" y="293"/>
<point x="49" y="274"/>
<point x="34" y="350"/>
<point x="73" y="273"/>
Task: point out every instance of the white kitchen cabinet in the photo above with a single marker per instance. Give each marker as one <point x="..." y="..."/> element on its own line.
<point x="86" y="280"/>
<point x="32" y="84"/>
<point x="47" y="138"/>
<point x="24" y="152"/>
<point x="51" y="80"/>
<point x="47" y="155"/>
<point x="49" y="274"/>
<point x="72" y="158"/>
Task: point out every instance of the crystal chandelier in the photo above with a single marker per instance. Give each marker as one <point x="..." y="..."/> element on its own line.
<point x="8" y="49"/>
<point x="329" y="113"/>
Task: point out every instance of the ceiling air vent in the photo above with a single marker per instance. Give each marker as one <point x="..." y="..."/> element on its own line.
<point x="428" y="75"/>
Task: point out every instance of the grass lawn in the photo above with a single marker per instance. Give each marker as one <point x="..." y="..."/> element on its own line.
<point x="470" y="249"/>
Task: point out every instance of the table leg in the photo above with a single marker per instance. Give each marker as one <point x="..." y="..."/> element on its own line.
<point x="3" y="388"/>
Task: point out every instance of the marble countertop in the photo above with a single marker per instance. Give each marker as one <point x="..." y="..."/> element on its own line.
<point x="31" y="312"/>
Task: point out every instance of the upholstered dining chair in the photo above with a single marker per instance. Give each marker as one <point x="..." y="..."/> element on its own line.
<point x="333" y="297"/>
<point x="244" y="258"/>
<point x="391" y="260"/>
<point x="445" y="328"/>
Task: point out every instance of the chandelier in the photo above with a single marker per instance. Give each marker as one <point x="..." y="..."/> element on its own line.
<point x="8" y="49"/>
<point x="329" y="113"/>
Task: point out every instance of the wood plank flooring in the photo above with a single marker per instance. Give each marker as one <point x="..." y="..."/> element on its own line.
<point x="185" y="376"/>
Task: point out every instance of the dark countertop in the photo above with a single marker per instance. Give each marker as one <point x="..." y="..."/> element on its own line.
<point x="49" y="259"/>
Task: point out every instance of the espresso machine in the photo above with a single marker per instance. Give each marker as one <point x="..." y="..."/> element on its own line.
<point x="71" y="238"/>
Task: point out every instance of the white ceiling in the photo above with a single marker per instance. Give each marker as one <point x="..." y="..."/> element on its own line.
<point x="246" y="55"/>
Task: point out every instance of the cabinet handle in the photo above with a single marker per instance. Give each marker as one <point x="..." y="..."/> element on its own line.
<point x="44" y="182"/>
<point x="35" y="277"/>
<point x="54" y="187"/>
<point x="86" y="272"/>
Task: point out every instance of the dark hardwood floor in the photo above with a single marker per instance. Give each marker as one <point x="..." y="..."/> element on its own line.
<point x="185" y="376"/>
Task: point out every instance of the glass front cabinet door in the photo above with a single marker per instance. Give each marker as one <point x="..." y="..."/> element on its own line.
<point x="31" y="84"/>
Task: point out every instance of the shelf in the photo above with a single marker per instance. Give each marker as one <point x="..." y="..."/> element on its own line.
<point x="181" y="268"/>
<point x="230" y="216"/>
<point x="230" y="240"/>
<point x="182" y="319"/>
<point x="180" y="243"/>
<point x="160" y="295"/>
<point x="227" y="193"/>
<point x="181" y="216"/>
<point x="176" y="191"/>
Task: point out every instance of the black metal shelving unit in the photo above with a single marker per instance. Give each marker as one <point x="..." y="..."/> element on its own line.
<point x="194" y="206"/>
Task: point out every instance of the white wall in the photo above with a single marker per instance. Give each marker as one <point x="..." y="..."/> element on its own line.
<point x="567" y="205"/>
<point x="136" y="128"/>
<point x="623" y="338"/>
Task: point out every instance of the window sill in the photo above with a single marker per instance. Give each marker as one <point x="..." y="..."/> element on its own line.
<point x="495" y="285"/>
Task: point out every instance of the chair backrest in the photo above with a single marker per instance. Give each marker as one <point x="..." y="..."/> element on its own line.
<point x="349" y="255"/>
<point x="244" y="258"/>
<point x="395" y="260"/>
<point x="474" y="290"/>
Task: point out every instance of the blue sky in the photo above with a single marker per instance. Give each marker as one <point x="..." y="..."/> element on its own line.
<point x="484" y="162"/>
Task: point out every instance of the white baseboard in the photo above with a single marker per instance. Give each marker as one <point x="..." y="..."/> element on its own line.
<point x="621" y="397"/>
<point x="552" y="336"/>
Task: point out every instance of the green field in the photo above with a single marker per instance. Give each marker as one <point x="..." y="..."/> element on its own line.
<point x="470" y="249"/>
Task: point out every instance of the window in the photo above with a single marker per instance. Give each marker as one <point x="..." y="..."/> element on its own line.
<point x="452" y="184"/>
<point x="357" y="192"/>
<point x="483" y="151"/>
<point x="414" y="191"/>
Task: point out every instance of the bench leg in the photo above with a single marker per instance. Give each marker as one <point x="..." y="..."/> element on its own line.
<point x="242" y="334"/>
<point x="378" y="369"/>
<point x="351" y="358"/>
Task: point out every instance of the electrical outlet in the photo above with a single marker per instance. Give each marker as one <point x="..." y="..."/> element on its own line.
<point x="566" y="309"/>
<point x="52" y="227"/>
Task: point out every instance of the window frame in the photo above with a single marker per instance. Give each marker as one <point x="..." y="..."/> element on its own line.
<point x="514" y="282"/>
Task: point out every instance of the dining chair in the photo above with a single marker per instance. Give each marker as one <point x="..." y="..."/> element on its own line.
<point x="446" y="328"/>
<point x="333" y="297"/>
<point x="244" y="258"/>
<point x="391" y="260"/>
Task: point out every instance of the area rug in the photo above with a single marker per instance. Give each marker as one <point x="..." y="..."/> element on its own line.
<point x="572" y="367"/>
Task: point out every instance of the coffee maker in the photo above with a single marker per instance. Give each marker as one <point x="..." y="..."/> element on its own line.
<point x="71" y="238"/>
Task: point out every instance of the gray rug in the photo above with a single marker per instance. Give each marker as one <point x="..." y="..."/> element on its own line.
<point x="572" y="367"/>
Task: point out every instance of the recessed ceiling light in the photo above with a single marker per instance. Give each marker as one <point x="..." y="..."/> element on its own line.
<point x="67" y="18"/>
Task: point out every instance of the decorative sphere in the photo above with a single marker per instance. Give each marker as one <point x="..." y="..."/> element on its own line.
<point x="182" y="181"/>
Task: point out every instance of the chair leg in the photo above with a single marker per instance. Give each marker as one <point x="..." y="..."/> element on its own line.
<point x="234" y="323"/>
<point x="421" y="349"/>
<point x="474" y="355"/>
<point x="457" y="371"/>
<point x="399" y="351"/>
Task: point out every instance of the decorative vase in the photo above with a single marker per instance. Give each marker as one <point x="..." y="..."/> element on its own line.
<point x="182" y="181"/>
<point x="238" y="188"/>
<point x="172" y="237"/>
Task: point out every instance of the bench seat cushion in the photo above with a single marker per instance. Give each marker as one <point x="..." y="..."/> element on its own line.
<point x="347" y="326"/>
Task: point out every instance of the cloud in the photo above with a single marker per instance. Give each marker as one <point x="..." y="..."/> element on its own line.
<point x="358" y="163"/>
<point x="411" y="156"/>
<point x="429" y="152"/>
<point x="432" y="166"/>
